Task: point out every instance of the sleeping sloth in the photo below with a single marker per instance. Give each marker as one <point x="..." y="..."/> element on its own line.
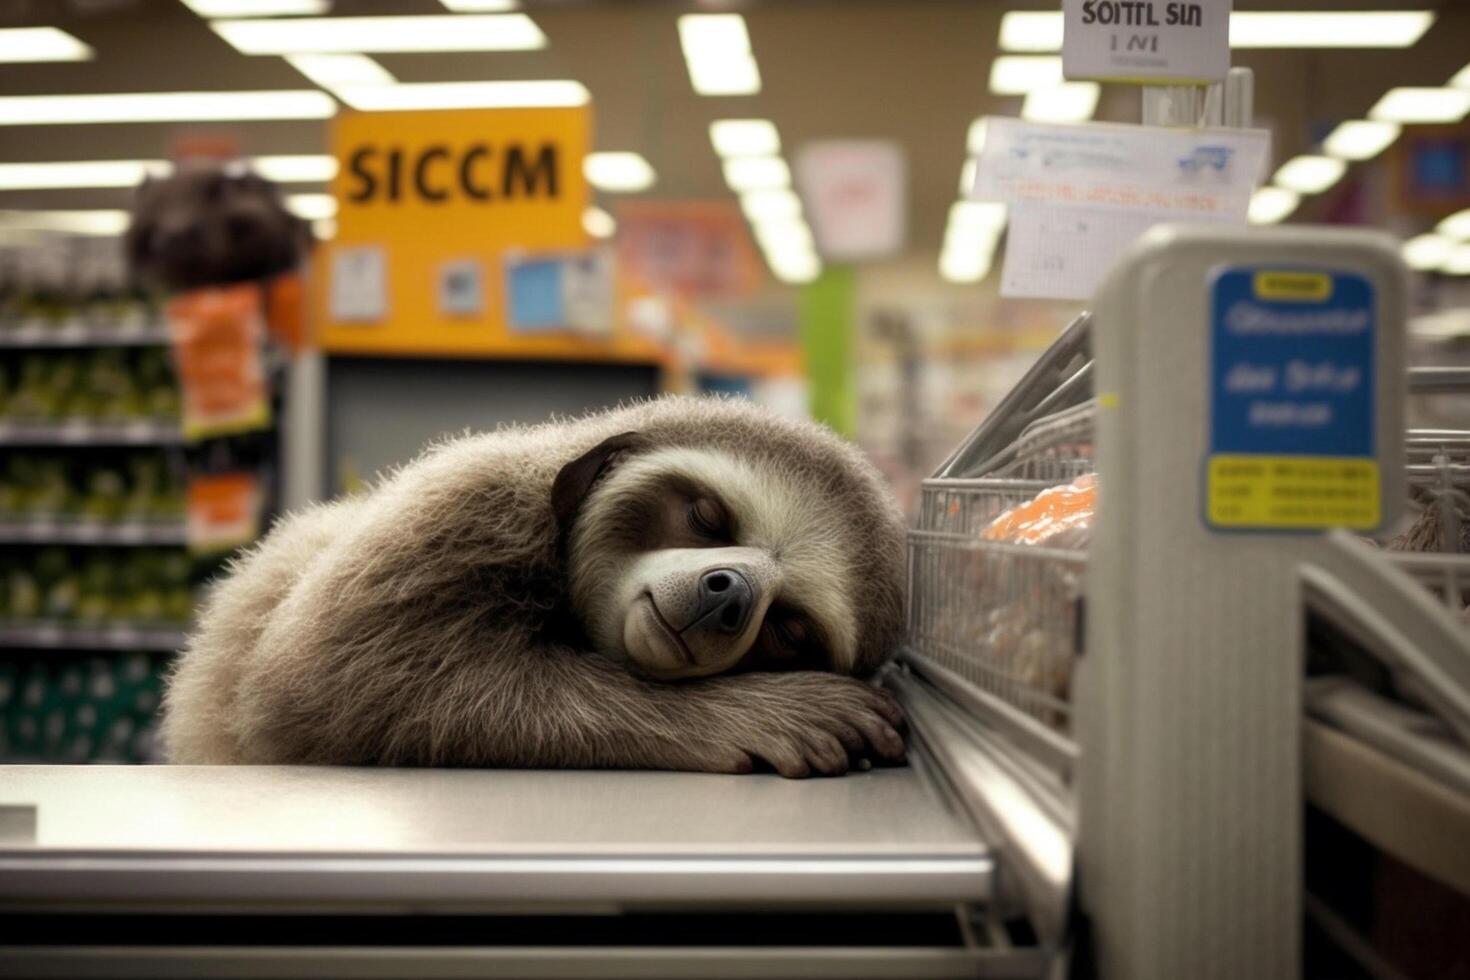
<point x="680" y="584"/>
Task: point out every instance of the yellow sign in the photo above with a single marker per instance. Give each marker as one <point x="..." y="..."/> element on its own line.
<point x="1295" y="492"/>
<point x="429" y="207"/>
<point x="1294" y="287"/>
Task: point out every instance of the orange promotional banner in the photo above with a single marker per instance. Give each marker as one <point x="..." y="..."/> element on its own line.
<point x="433" y="209"/>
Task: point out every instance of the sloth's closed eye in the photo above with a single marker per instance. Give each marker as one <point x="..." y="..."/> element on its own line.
<point x="708" y="519"/>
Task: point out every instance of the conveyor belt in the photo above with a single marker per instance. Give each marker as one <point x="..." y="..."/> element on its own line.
<point x="128" y="837"/>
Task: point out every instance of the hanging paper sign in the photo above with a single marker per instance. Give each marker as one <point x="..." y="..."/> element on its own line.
<point x="1146" y="41"/>
<point x="854" y="194"/>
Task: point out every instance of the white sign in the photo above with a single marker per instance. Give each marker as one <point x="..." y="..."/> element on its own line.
<point x="1080" y="195"/>
<point x="359" y="288"/>
<point x="1130" y="40"/>
<point x="855" y="197"/>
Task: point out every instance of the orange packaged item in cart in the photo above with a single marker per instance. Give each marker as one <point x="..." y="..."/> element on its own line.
<point x="1048" y="514"/>
<point x="217" y="334"/>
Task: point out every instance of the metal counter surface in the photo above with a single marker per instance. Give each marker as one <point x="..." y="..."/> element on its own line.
<point x="418" y="838"/>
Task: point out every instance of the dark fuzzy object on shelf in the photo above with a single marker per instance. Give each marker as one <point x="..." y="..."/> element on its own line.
<point x="211" y="225"/>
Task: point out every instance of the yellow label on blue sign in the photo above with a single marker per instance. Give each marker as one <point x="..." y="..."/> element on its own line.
<point x="1292" y="419"/>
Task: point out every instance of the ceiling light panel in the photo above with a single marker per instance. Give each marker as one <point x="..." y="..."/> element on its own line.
<point x="1456" y="226"/>
<point x="984" y="215"/>
<point x="1329" y="29"/>
<point x="305" y="168"/>
<point x="795" y="267"/>
<point x="1457" y="263"/>
<point x="1069" y="102"/>
<point x="480" y="6"/>
<point x="79" y="173"/>
<point x="331" y="70"/>
<point x="1422" y="105"/>
<point x="258" y="8"/>
<point x="1309" y="174"/>
<point x="619" y="172"/>
<point x="436" y="32"/>
<point x="789" y="234"/>
<point x="968" y="173"/>
<point x="598" y="223"/>
<point x="775" y="205"/>
<point x="34" y="44"/>
<point x="1462" y="78"/>
<point x="1272" y="204"/>
<point x="1359" y="139"/>
<point x="757" y="174"/>
<point x="718" y="54"/>
<point x="1031" y="30"/>
<point x="464" y="95"/>
<point x="50" y="110"/>
<point x="103" y="222"/>
<point x="1426" y="252"/>
<point x="744" y="137"/>
<point x="975" y="138"/>
<point x="312" y="207"/>
<point x="1020" y="74"/>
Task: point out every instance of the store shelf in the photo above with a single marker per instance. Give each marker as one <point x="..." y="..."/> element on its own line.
<point x="86" y="433"/>
<point x="82" y="335"/>
<point x="116" y="533"/>
<point x="119" y="636"/>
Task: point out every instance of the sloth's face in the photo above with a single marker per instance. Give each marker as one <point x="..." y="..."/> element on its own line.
<point x="694" y="562"/>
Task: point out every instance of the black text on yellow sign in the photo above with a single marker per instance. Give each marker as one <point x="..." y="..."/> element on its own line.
<point x="443" y="172"/>
<point x="424" y="196"/>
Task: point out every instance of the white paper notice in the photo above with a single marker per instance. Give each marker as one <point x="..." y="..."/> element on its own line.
<point x="1130" y="40"/>
<point x="359" y="288"/>
<point x="1080" y="195"/>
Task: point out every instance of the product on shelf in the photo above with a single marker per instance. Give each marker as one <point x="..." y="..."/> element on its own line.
<point x="103" y="385"/>
<point x="97" y="586"/>
<point x="69" y="708"/>
<point x="133" y="486"/>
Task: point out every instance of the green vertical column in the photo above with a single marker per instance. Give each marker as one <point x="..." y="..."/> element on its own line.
<point x="825" y="318"/>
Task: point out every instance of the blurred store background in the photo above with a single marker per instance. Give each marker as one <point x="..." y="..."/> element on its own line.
<point x="766" y="199"/>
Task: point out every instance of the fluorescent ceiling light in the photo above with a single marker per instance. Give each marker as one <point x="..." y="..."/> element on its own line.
<point x="106" y="222"/>
<point x="79" y="173"/>
<point x="598" y="223"/>
<point x="1456" y="226"/>
<point x="1020" y="74"/>
<point x="312" y="206"/>
<point x="1422" y="105"/>
<point x="31" y="44"/>
<point x="965" y="265"/>
<point x="1462" y="78"/>
<point x="1457" y="263"/>
<point x="435" y="32"/>
<point x="744" y="137"/>
<point x="718" y="54"/>
<point x="757" y="174"/>
<point x="1329" y="29"/>
<point x="50" y="110"/>
<point x="258" y="8"/>
<point x="967" y="176"/>
<point x="777" y="205"/>
<point x="985" y="215"/>
<point x="306" y="168"/>
<point x="795" y="267"/>
<point x="785" y="235"/>
<point x="464" y="95"/>
<point x="975" y="138"/>
<point x="1359" y="139"/>
<point x="325" y="229"/>
<point x="1068" y="102"/>
<point x="480" y="6"/>
<point x="1272" y="204"/>
<point x="1031" y="30"/>
<point x="331" y="70"/>
<point x="1309" y="174"/>
<point x="1426" y="252"/>
<point x="618" y="172"/>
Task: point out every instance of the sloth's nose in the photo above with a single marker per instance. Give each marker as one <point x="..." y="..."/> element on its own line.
<point x="725" y="601"/>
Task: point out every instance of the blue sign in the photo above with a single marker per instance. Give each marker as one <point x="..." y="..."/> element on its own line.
<point x="1292" y="364"/>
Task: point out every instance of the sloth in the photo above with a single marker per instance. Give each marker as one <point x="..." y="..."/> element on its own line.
<point x="211" y="225"/>
<point x="690" y="584"/>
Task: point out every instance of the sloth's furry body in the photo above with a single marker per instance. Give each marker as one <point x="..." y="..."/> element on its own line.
<point x="431" y="620"/>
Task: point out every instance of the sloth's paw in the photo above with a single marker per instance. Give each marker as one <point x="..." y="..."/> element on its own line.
<point x="814" y="723"/>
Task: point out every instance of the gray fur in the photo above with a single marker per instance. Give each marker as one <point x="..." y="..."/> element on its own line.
<point x="425" y="623"/>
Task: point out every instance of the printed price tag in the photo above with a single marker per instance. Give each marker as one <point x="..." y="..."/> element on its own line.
<point x="1292" y="423"/>
<point x="1146" y="40"/>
